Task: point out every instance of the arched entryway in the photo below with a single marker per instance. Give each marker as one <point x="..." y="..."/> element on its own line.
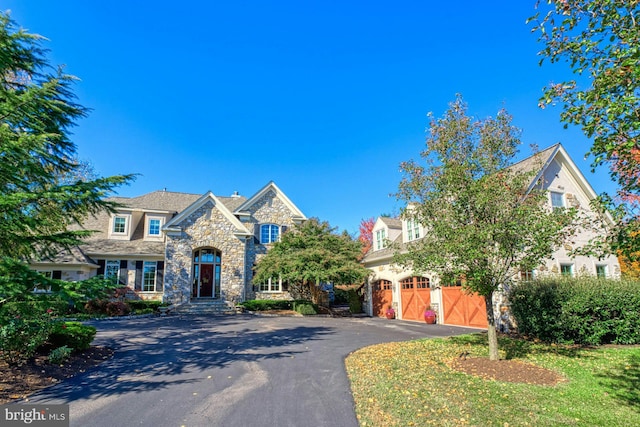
<point x="206" y="273"/>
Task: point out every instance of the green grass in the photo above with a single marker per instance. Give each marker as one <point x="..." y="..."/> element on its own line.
<point x="411" y="383"/>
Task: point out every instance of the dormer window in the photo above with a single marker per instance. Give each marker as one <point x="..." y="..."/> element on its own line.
<point x="413" y="229"/>
<point x="380" y="238"/>
<point x="269" y="233"/>
<point x="119" y="225"/>
<point x="154" y="227"/>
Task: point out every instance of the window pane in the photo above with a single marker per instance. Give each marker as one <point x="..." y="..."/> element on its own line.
<point x="149" y="276"/>
<point x="154" y="227"/>
<point x="119" y="224"/>
<point x="557" y="200"/>
<point x="112" y="270"/>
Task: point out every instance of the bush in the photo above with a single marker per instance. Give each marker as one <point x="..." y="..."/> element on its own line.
<point x="305" y="309"/>
<point x="22" y="335"/>
<point x="340" y="296"/>
<point x="117" y="308"/>
<point x="355" y="305"/>
<point x="582" y="311"/>
<point x="263" y="305"/>
<point x="72" y="334"/>
<point x="59" y="355"/>
<point x="137" y="305"/>
<point x="52" y="306"/>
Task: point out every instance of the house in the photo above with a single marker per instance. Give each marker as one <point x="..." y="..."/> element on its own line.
<point x="180" y="247"/>
<point x="393" y="286"/>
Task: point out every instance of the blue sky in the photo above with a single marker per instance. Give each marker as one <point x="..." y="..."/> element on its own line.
<point x="325" y="98"/>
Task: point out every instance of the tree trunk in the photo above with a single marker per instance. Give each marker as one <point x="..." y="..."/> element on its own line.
<point x="491" y="328"/>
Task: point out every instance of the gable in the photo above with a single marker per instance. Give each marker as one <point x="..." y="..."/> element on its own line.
<point x="270" y="198"/>
<point x="205" y="205"/>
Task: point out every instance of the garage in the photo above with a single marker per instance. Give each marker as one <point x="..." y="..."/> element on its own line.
<point x="382" y="297"/>
<point x="463" y="309"/>
<point x="415" y="297"/>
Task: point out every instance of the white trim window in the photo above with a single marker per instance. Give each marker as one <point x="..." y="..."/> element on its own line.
<point x="602" y="271"/>
<point x="272" y="285"/>
<point x="566" y="270"/>
<point x="154" y="226"/>
<point x="380" y="239"/>
<point x="112" y="270"/>
<point x="119" y="224"/>
<point x="413" y="229"/>
<point x="269" y="233"/>
<point x="557" y="200"/>
<point x="149" y="276"/>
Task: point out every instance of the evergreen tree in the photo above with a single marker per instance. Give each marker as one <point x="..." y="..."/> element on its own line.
<point x="38" y="201"/>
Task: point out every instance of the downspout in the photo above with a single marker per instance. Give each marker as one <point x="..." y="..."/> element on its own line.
<point x="244" y="270"/>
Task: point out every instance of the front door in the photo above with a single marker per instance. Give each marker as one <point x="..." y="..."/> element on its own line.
<point x="206" y="281"/>
<point x="206" y="273"/>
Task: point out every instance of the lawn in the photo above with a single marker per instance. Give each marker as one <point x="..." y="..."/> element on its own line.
<point x="413" y="383"/>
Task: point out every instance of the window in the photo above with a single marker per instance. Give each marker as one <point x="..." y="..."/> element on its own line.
<point x="417" y="282"/>
<point x="566" y="269"/>
<point x="422" y="282"/>
<point x="380" y="238"/>
<point x="112" y="270"/>
<point x="154" y="227"/>
<point x="526" y="275"/>
<point x="119" y="224"/>
<point x="149" y="276"/>
<point x="272" y="286"/>
<point x="413" y="229"/>
<point x="557" y="200"/>
<point x="601" y="271"/>
<point x="269" y="233"/>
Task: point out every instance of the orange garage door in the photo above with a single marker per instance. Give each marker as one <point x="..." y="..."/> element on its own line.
<point x="416" y="297"/>
<point x="381" y="297"/>
<point x="463" y="309"/>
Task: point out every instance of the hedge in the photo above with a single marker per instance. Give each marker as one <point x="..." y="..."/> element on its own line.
<point x="580" y="310"/>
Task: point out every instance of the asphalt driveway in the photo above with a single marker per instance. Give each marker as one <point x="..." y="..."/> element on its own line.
<point x="238" y="370"/>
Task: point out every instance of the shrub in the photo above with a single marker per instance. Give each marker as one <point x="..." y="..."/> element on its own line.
<point x="137" y="305"/>
<point x="96" y="306"/>
<point x="117" y="308"/>
<point x="144" y="311"/>
<point x="51" y="306"/>
<point x="305" y="309"/>
<point x="582" y="310"/>
<point x="21" y="336"/>
<point x="263" y="305"/>
<point x="355" y="305"/>
<point x="340" y="296"/>
<point x="72" y="334"/>
<point x="59" y="355"/>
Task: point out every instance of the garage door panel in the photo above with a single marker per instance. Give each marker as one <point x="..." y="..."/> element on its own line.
<point x="462" y="309"/>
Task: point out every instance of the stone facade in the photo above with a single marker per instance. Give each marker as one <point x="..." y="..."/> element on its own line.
<point x="204" y="228"/>
<point x="210" y="226"/>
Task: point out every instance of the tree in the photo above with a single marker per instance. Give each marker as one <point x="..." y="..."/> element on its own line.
<point x="366" y="234"/>
<point x="600" y="40"/>
<point x="483" y="222"/>
<point x="38" y="200"/>
<point x="309" y="255"/>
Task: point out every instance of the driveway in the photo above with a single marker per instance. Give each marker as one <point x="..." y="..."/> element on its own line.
<point x="240" y="370"/>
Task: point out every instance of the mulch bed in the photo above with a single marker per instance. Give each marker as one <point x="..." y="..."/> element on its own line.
<point x="18" y="382"/>
<point x="513" y="371"/>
